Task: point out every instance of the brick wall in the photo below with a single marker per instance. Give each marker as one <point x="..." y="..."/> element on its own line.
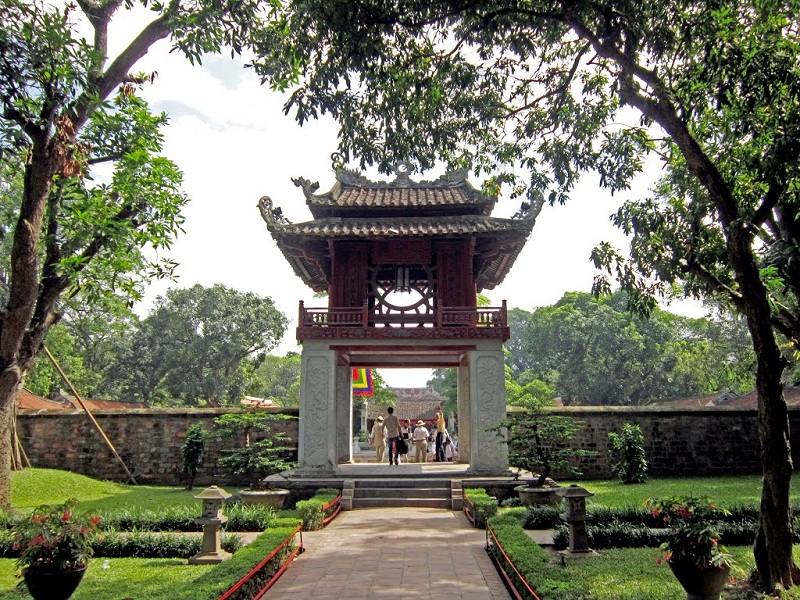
<point x="693" y="441"/>
<point x="678" y="442"/>
<point x="148" y="441"/>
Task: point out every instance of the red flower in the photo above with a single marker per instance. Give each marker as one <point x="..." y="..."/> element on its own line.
<point x="65" y="517"/>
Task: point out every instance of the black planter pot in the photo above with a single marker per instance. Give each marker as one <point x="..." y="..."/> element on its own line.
<point x="700" y="584"/>
<point x="58" y="585"/>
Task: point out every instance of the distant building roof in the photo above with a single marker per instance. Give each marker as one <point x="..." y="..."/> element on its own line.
<point x="30" y="401"/>
<point x="749" y="400"/>
<point x="412" y="404"/>
<point x="254" y="401"/>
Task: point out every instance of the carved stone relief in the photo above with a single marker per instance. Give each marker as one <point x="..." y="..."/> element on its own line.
<point x="314" y="413"/>
<point x="489" y="454"/>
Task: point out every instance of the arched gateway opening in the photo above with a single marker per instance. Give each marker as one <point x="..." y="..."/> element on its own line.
<point x="402" y="263"/>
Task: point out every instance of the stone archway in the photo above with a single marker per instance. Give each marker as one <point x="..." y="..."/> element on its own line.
<point x="326" y="433"/>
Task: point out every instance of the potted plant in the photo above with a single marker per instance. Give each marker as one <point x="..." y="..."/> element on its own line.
<point x="262" y="454"/>
<point x="55" y="544"/>
<point x="692" y="550"/>
<point x="539" y="443"/>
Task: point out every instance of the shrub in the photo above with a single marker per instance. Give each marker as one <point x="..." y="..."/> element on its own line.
<point x="628" y="458"/>
<point x="157" y="545"/>
<point x="255" y="460"/>
<point x="481" y="507"/>
<point x="137" y="545"/>
<point x="311" y="512"/>
<point x="538" y="440"/>
<point x="183" y="518"/>
<point x="192" y="452"/>
<point x="530" y="559"/>
<point x="225" y="575"/>
<point x="540" y="517"/>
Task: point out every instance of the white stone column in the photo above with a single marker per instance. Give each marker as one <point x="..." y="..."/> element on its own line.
<point x="317" y="437"/>
<point x="464" y="420"/>
<point x="488" y="452"/>
<point x="344" y="414"/>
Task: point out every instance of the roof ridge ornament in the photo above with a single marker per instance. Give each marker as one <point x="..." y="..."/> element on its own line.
<point x="530" y="210"/>
<point x="308" y="187"/>
<point x="402" y="172"/>
<point x="271" y="215"/>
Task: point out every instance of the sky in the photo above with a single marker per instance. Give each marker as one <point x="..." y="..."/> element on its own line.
<point x="230" y="137"/>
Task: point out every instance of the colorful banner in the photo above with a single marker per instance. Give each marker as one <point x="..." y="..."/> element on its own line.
<point x="362" y="382"/>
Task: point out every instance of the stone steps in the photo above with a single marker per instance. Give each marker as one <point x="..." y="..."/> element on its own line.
<point x="412" y="492"/>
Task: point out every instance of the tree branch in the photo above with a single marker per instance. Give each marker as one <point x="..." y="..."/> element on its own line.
<point x="118" y="70"/>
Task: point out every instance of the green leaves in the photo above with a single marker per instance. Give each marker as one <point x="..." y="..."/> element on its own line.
<point x="195" y="345"/>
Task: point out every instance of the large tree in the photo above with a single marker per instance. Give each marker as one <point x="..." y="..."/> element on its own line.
<point x="534" y="92"/>
<point x="595" y="352"/>
<point x="72" y="234"/>
<point x="200" y="345"/>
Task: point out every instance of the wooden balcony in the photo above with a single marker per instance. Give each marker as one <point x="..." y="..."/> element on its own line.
<point x="361" y="323"/>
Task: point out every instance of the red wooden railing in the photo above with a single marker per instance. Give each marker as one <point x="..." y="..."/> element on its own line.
<point x="490" y="535"/>
<point x="254" y="571"/>
<point x="338" y="502"/>
<point x="450" y="316"/>
<point x="469" y="507"/>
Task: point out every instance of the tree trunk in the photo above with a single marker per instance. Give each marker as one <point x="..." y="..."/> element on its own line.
<point x="773" y="546"/>
<point x="9" y="386"/>
<point x="774" y="537"/>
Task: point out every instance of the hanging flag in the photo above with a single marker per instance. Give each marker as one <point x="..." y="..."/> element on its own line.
<point x="362" y="382"/>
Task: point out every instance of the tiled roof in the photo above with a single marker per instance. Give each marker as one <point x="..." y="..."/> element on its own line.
<point x="790" y="393"/>
<point x="359" y="209"/>
<point x="446" y="226"/>
<point x="354" y="191"/>
<point x="30" y="401"/>
<point x="412" y="404"/>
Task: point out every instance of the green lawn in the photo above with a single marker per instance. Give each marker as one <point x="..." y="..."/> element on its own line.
<point x="633" y="574"/>
<point x="140" y="578"/>
<point x="33" y="487"/>
<point x="727" y="491"/>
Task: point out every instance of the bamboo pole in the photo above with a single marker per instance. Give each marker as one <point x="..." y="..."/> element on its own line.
<point x="91" y="416"/>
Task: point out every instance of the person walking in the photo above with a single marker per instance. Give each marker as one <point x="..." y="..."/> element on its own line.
<point x="420" y="438"/>
<point x="405" y="433"/>
<point x="392" y="426"/>
<point x="377" y="439"/>
<point x="440" y="426"/>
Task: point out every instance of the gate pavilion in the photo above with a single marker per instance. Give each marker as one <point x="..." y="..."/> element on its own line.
<point x="402" y="263"/>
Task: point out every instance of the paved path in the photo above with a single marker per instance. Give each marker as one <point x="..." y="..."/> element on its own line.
<point x="393" y="553"/>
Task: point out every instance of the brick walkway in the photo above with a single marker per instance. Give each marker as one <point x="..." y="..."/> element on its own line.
<point x="393" y="553"/>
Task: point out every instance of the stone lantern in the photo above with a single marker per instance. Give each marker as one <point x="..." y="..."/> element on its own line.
<point x="575" y="517"/>
<point x="211" y="519"/>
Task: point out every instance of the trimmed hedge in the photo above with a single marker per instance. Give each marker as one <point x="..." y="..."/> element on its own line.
<point x="176" y="518"/>
<point x="213" y="584"/>
<point x="311" y="512"/>
<point x="531" y="560"/>
<point x="481" y="506"/>
<point x="139" y="545"/>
